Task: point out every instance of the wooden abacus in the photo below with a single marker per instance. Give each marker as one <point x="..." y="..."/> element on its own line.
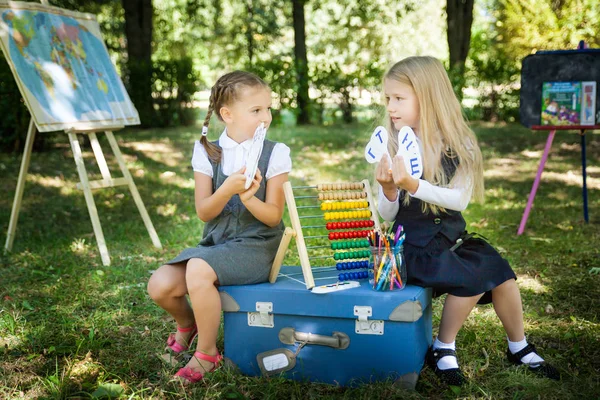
<point x="345" y="207"/>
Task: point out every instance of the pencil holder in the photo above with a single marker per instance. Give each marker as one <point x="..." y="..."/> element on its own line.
<point x="387" y="270"/>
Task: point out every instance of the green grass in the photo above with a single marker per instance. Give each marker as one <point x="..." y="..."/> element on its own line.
<point x="72" y="328"/>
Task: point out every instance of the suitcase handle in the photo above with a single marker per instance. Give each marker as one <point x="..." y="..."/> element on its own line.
<point x="338" y="340"/>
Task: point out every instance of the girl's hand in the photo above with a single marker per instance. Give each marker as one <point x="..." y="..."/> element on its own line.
<point x="383" y="174"/>
<point x="234" y="184"/>
<point x="401" y="177"/>
<point x="248" y="194"/>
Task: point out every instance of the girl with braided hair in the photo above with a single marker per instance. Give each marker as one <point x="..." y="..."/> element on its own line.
<point x="242" y="228"/>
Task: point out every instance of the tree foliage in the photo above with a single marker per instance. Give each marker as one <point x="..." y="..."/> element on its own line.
<point x="13" y="124"/>
<point x="493" y="72"/>
<point x="349" y="45"/>
<point x="506" y="31"/>
<point x="526" y="26"/>
<point x="350" y="48"/>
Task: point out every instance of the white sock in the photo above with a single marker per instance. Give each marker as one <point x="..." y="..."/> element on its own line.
<point x="446" y="362"/>
<point x="532" y="358"/>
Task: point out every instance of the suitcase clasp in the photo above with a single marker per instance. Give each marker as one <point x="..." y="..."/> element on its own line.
<point x="365" y="327"/>
<point x="263" y="317"/>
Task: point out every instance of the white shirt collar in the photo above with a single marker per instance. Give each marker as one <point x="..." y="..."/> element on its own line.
<point x="228" y="143"/>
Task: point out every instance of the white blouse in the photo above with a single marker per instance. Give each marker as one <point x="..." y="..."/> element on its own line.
<point x="234" y="157"/>
<point x="456" y="198"/>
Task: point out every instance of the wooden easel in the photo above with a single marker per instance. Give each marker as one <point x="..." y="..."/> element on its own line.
<point x="296" y="231"/>
<point x="584" y="192"/>
<point x="85" y="184"/>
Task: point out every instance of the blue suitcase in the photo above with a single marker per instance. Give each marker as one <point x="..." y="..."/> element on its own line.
<point x="345" y="338"/>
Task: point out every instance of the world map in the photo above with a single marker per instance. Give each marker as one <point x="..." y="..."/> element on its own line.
<point x="66" y="68"/>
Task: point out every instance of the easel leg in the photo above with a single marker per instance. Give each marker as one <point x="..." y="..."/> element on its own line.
<point x="536" y="183"/>
<point x="99" y="156"/>
<point x="134" y="192"/>
<point x="89" y="199"/>
<point x="586" y="217"/>
<point x="14" y="215"/>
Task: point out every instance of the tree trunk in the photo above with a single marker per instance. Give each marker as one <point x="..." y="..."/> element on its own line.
<point x="460" y="19"/>
<point x="301" y="61"/>
<point x="138" y="30"/>
<point x="494" y="106"/>
<point x="249" y="32"/>
<point x="346" y="106"/>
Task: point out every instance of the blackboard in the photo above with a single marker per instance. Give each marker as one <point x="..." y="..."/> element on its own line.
<point x="552" y="66"/>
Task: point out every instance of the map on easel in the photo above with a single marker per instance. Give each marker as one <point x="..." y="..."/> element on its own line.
<point x="63" y="68"/>
<point x="68" y="81"/>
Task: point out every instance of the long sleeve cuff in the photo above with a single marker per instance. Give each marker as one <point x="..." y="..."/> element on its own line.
<point x="455" y="199"/>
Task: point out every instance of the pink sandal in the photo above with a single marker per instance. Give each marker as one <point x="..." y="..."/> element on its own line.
<point x="192" y="376"/>
<point x="174" y="351"/>
<point x="178" y="348"/>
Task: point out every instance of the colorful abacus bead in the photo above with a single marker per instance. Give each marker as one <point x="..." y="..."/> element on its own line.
<point x="353" y="244"/>
<point x="344" y="205"/>
<point x="348" y="235"/>
<point x="340" y="186"/>
<point x="351" y="254"/>
<point x="346" y="276"/>
<point x="350" y="224"/>
<point x="342" y="266"/>
<point x="347" y="214"/>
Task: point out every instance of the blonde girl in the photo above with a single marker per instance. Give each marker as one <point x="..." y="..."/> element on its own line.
<point x="440" y="254"/>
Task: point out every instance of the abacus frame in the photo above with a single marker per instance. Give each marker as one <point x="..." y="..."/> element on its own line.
<point x="296" y="231"/>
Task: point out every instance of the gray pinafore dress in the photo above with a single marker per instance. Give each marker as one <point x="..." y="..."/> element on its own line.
<point x="238" y="247"/>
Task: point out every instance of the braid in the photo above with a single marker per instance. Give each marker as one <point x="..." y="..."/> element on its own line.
<point x="208" y="114"/>
<point x="225" y="92"/>
<point x="213" y="151"/>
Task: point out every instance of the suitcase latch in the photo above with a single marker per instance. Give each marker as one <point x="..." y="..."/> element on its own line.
<point x="263" y="317"/>
<point x="365" y="327"/>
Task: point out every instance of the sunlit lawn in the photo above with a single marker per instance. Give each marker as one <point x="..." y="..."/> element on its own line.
<point x="70" y="327"/>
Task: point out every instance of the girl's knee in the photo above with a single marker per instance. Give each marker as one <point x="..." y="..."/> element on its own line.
<point x="161" y="284"/>
<point x="154" y="287"/>
<point x="508" y="285"/>
<point x="199" y="274"/>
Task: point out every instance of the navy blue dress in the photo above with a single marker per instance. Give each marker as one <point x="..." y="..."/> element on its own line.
<point x="472" y="268"/>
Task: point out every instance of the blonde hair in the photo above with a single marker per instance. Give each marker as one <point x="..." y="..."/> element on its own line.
<point x="225" y="91"/>
<point x="443" y="130"/>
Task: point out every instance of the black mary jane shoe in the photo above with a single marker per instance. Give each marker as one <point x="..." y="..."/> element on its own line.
<point x="452" y="376"/>
<point x="543" y="368"/>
